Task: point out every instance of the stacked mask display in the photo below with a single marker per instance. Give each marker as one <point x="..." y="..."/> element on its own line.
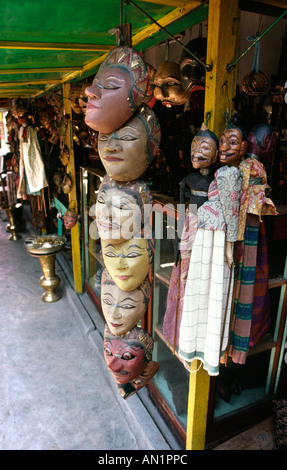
<point x="129" y="136"/>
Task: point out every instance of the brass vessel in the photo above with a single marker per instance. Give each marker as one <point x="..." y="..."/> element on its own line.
<point x="11" y="226"/>
<point x="45" y="248"/>
<point x="50" y="280"/>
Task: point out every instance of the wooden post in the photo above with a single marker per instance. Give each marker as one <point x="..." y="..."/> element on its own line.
<point x="222" y="45"/>
<point x="222" y="48"/>
<point x="73" y="204"/>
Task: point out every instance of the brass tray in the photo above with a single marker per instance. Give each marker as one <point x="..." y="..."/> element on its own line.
<point x="45" y="244"/>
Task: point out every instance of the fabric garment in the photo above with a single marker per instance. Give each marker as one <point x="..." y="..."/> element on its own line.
<point x="244" y="293"/>
<point x="198" y="183"/>
<point x="204" y="322"/>
<point x="173" y="314"/>
<point x="253" y="199"/>
<point x="31" y="166"/>
<point x="261" y="313"/>
<point x="204" y="328"/>
<point x="251" y="315"/>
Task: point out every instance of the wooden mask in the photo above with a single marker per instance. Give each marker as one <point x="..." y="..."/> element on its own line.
<point x="129" y="359"/>
<point x="128" y="263"/>
<point x="192" y="73"/>
<point x="122" y="310"/>
<point x="167" y="85"/>
<point x="121" y="209"/>
<point x="127" y="152"/>
<point x="118" y="89"/>
<point x="70" y="219"/>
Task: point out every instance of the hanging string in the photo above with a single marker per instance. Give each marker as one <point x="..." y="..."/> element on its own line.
<point x="255" y="66"/>
<point x="231" y="66"/>
<point x="207" y="67"/>
<point x="120" y="40"/>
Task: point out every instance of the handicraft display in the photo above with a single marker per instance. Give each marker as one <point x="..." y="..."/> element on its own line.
<point x="123" y="310"/>
<point x="129" y="137"/>
<point x="207" y="302"/>
<point x="251" y="315"/>
<point x="204" y="155"/>
<point x="122" y="210"/>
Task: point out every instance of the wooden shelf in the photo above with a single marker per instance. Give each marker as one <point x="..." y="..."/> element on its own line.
<point x="97" y="256"/>
<point x="264" y="344"/>
<point x="276" y="282"/>
<point x="164" y="276"/>
<point x="158" y="331"/>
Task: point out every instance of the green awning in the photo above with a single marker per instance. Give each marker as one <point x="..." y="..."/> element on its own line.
<point x="43" y="44"/>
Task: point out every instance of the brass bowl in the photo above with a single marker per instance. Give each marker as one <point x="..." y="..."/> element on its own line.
<point x="44" y="245"/>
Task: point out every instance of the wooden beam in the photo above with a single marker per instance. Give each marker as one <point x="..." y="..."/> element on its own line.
<point x="51" y="46"/>
<point x="272" y="3"/>
<point x="223" y="27"/>
<point x="166" y="20"/>
<point x="30" y="82"/>
<point x="222" y="49"/>
<point x="175" y="3"/>
<point x="41" y="70"/>
<point x="73" y="205"/>
<point x="197" y="407"/>
<point x="20" y="90"/>
<point x="17" y="95"/>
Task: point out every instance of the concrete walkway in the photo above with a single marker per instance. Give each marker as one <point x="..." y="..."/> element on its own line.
<point x="55" y="390"/>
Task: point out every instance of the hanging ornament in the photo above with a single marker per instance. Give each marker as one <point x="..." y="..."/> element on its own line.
<point x="255" y="82"/>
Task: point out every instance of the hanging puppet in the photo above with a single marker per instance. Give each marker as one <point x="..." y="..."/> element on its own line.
<point x="204" y="155"/>
<point x="251" y="315"/>
<point x="206" y="312"/>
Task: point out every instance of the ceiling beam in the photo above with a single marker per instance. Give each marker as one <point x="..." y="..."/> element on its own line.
<point x="175" y="3"/>
<point x="51" y="46"/>
<point x="16" y="91"/>
<point x="40" y="70"/>
<point x="165" y="21"/>
<point x="30" y="82"/>
<point x="273" y="3"/>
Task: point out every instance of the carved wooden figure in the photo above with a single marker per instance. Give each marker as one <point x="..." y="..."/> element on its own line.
<point x="204" y="327"/>
<point x="127" y="152"/>
<point x="204" y="154"/>
<point x="122" y="210"/>
<point x="129" y="359"/>
<point x="118" y="89"/>
<point x="123" y="310"/>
